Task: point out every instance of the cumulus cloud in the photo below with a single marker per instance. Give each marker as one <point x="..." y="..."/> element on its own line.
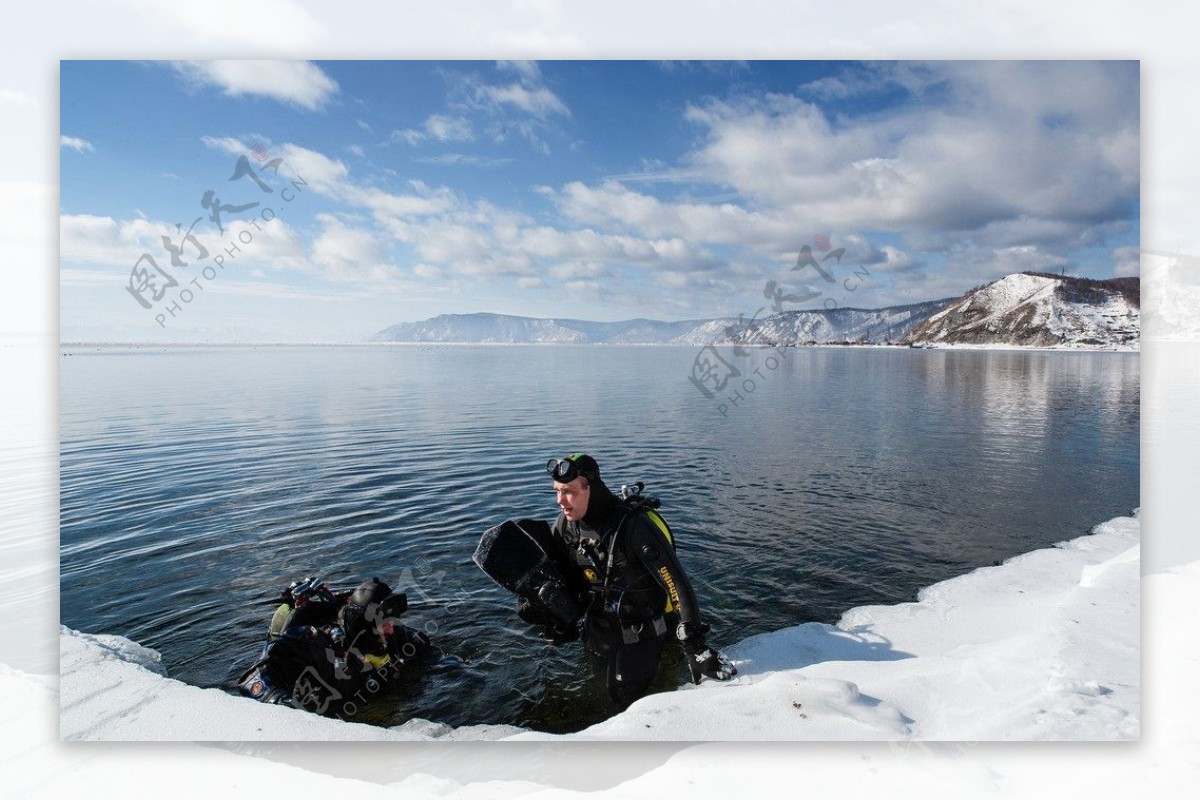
<point x="299" y="83"/>
<point x="988" y="167"/>
<point x="85" y="238"/>
<point x="1048" y="142"/>
<point x="97" y="239"/>
<point x="76" y="144"/>
<point x="454" y="235"/>
<point x="612" y="204"/>
<point x="983" y="171"/>
<point x="351" y="253"/>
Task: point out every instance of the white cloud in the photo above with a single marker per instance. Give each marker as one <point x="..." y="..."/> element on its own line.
<point x="578" y="268"/>
<point x="348" y="253"/>
<point x="85" y="238"/>
<point x="1012" y="168"/>
<point x="227" y="144"/>
<point x="331" y="178"/>
<point x="76" y="144"/>
<point x="613" y="205"/>
<point x="772" y="172"/>
<point x="462" y="239"/>
<point x="300" y="83"/>
<point x="981" y="156"/>
<point x="427" y="271"/>
<point x="871" y="78"/>
<point x="529" y="70"/>
<point x="584" y="289"/>
<point x="463" y="160"/>
<point x="322" y="173"/>
<point x="448" y="129"/>
<point x="356" y="150"/>
<point x="103" y="240"/>
<point x="438" y="127"/>
<point x="538" y="100"/>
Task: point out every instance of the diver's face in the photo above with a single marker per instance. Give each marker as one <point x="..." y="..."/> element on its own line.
<point x="572" y="497"/>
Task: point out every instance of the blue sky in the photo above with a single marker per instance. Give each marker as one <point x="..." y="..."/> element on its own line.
<point x="589" y="189"/>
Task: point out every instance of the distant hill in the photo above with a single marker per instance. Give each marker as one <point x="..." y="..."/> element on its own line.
<point x="507" y="329"/>
<point x="819" y="326"/>
<point x="1039" y="309"/>
<point x="1035" y="309"/>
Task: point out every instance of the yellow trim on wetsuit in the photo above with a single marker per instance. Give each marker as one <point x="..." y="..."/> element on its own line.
<point x="656" y="518"/>
<point x="658" y="521"/>
<point x="377" y="661"/>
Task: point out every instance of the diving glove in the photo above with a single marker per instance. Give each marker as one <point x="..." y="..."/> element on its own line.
<point x="553" y="630"/>
<point x="710" y="663"/>
<point x="703" y="661"/>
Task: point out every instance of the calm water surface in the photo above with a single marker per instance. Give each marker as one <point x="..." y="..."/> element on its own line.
<point x="197" y="482"/>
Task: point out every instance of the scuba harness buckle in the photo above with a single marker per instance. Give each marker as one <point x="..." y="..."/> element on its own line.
<point x="633" y="633"/>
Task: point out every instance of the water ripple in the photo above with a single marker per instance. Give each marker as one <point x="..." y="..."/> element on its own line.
<point x="195" y="483"/>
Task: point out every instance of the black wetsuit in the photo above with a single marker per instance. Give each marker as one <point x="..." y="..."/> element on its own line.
<point x="302" y="665"/>
<point x="632" y="585"/>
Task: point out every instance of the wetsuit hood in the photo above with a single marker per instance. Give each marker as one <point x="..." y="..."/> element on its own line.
<point x="601" y="503"/>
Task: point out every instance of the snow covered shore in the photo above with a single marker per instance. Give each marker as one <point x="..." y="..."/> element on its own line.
<point x="1043" y="647"/>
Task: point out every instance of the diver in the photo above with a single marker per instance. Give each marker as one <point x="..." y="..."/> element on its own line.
<point x="617" y="558"/>
<point x="325" y="647"/>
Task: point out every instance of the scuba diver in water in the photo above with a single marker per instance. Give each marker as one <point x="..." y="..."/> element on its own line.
<point x="616" y="556"/>
<point x="324" y="649"/>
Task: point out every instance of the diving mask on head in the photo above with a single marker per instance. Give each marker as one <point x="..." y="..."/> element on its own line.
<point x="572" y="467"/>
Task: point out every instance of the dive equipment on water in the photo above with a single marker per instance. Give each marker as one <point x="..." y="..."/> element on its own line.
<point x="323" y="646"/>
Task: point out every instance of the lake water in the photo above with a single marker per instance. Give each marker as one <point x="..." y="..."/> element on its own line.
<point x="197" y="482"/>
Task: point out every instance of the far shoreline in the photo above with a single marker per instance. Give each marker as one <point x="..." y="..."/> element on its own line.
<point x="847" y="345"/>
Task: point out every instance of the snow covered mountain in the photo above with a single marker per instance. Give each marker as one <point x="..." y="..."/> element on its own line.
<point x="1039" y="310"/>
<point x="876" y="326"/>
<point x="508" y="329"/>
<point x="1021" y="309"/>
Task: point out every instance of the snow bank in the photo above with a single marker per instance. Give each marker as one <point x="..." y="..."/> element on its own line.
<point x="113" y="689"/>
<point x="1043" y="647"/>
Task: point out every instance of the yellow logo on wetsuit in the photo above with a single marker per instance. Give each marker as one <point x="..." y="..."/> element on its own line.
<point x="670" y="582"/>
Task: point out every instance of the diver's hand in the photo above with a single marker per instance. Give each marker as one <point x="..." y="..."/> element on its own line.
<point x="531" y="613"/>
<point x="703" y="661"/>
<point x="708" y="663"/>
<point x="559" y="635"/>
<point x="550" y="629"/>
